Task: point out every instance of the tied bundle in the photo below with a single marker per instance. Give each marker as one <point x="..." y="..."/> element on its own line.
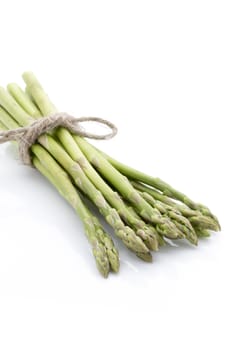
<point x="144" y="212"/>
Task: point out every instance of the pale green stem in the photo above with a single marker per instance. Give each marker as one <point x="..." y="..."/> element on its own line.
<point x="179" y="220"/>
<point x="112" y="175"/>
<point x="159" y="184"/>
<point x="23" y="100"/>
<point x="127" y="235"/>
<point x="111" y="196"/>
<point x="197" y="219"/>
<point x="7" y="120"/>
<point x="2" y="126"/>
<point x="62" y="182"/>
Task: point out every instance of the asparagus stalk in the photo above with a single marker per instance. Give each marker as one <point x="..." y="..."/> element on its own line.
<point x="136" y="201"/>
<point x="159" y="238"/>
<point x="107" y="241"/>
<point x="23" y="100"/>
<point x="100" y="234"/>
<point x="7" y="120"/>
<point x="62" y="182"/>
<point x="142" y="230"/>
<point x="57" y="176"/>
<point x="66" y="189"/>
<point x="2" y="126"/>
<point x="125" y="233"/>
<point x="111" y="196"/>
<point x="202" y="233"/>
<point x="166" y="189"/>
<point x="180" y="221"/>
<point x="140" y="227"/>
<point x="196" y="218"/>
<point x="120" y="183"/>
<point x="27" y="93"/>
<point x="154" y="213"/>
<point x="146" y="233"/>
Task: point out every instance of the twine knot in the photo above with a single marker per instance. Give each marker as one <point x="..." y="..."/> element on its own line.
<point x="27" y="136"/>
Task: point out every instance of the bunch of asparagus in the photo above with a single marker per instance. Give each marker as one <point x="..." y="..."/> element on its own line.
<point x="144" y="212"/>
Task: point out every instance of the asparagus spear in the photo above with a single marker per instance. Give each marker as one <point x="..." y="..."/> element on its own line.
<point x="202" y="233"/>
<point x="125" y="233"/>
<point x="159" y="238"/>
<point x="180" y="221"/>
<point x="62" y="182"/>
<point x="145" y="232"/>
<point x="57" y="176"/>
<point x="120" y="182"/>
<point x="107" y="241"/>
<point x="23" y="100"/>
<point x="111" y="196"/>
<point x="142" y="230"/>
<point x="197" y="219"/>
<point x="66" y="189"/>
<point x="83" y="163"/>
<point x="7" y="120"/>
<point x="100" y="234"/>
<point x="2" y="126"/>
<point x="166" y="189"/>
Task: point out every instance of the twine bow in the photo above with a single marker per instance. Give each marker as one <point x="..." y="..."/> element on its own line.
<point x="27" y="136"/>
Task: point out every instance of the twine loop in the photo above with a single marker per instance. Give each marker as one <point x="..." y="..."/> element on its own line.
<point x="27" y="136"/>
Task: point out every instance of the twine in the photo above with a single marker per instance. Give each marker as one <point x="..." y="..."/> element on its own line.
<point x="27" y="136"/>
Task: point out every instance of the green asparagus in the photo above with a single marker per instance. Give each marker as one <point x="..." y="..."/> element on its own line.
<point x="143" y="211"/>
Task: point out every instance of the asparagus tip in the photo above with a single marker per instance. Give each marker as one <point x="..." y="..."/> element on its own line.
<point x="145" y="256"/>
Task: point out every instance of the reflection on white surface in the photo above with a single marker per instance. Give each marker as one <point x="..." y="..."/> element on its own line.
<point x="131" y="266"/>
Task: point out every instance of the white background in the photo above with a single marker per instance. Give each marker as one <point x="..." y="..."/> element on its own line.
<point x="160" y="71"/>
